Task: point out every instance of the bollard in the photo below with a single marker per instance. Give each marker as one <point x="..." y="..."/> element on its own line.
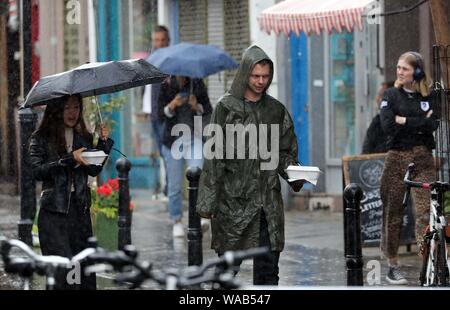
<point x="352" y="234"/>
<point x="194" y="236"/>
<point x="123" y="167"/>
<point x="27" y="121"/>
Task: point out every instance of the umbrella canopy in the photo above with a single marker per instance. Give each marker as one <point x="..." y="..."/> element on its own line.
<point x="191" y="60"/>
<point x="312" y="16"/>
<point x="93" y="79"/>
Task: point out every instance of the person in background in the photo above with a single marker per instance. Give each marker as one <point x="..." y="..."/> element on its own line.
<point x="160" y="39"/>
<point x="180" y="100"/>
<point x="408" y="117"/>
<point x="375" y="140"/>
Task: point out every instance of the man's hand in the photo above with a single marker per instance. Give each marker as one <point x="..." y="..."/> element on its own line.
<point x="208" y="216"/>
<point x="297" y="185"/>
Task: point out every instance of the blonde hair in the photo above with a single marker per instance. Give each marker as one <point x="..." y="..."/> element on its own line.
<point x="416" y="61"/>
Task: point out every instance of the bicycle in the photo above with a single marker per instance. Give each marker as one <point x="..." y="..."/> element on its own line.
<point x="49" y="265"/>
<point x="435" y="266"/>
<point x="33" y="263"/>
<point x="191" y="277"/>
<point x="130" y="271"/>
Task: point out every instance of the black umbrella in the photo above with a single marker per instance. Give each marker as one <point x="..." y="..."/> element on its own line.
<point x="93" y="79"/>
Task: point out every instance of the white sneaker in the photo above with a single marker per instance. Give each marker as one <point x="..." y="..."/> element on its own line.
<point x="178" y="230"/>
<point x="205" y="223"/>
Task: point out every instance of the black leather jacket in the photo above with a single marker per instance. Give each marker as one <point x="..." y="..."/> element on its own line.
<point x="57" y="173"/>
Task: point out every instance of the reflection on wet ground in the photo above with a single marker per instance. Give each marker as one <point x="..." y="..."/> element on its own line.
<point x="313" y="254"/>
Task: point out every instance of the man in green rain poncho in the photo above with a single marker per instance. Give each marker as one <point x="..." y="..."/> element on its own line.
<point x="253" y="142"/>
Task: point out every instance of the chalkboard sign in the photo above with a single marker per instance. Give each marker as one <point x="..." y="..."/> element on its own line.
<point x="366" y="170"/>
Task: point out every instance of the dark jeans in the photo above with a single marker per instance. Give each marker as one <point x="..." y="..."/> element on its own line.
<point x="265" y="268"/>
<point x="66" y="235"/>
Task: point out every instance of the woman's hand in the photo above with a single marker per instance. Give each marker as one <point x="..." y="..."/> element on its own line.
<point x="400" y="120"/>
<point x="176" y="102"/>
<point x="78" y="158"/>
<point x="193" y="102"/>
<point x="104" y="132"/>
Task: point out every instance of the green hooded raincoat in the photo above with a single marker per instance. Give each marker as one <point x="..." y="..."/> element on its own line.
<point x="235" y="190"/>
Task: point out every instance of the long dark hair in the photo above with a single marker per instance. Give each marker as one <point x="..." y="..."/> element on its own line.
<point x="52" y="124"/>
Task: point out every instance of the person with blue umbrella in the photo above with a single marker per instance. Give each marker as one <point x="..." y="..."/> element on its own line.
<point x="181" y="98"/>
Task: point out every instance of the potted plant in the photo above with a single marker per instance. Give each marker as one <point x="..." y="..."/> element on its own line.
<point x="104" y="213"/>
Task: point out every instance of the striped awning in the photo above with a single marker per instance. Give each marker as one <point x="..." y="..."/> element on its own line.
<point x="314" y="16"/>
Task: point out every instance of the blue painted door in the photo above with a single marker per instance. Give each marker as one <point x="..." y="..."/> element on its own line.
<point x="108" y="48"/>
<point x="299" y="94"/>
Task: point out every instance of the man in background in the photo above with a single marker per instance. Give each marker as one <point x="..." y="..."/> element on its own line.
<point x="160" y="39"/>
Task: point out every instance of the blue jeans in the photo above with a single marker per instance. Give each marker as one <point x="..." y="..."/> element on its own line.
<point x="176" y="172"/>
<point x="158" y="131"/>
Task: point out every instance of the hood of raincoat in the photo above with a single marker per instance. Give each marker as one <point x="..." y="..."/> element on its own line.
<point x="251" y="57"/>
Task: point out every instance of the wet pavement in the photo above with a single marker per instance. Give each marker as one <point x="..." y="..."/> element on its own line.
<point x="313" y="254"/>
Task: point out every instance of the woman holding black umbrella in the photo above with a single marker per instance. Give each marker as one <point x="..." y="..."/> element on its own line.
<point x="56" y="158"/>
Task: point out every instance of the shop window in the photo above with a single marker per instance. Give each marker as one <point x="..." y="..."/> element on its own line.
<point x="342" y="95"/>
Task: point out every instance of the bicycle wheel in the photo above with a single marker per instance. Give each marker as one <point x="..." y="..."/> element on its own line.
<point x="425" y="258"/>
<point x="442" y="271"/>
<point x="428" y="276"/>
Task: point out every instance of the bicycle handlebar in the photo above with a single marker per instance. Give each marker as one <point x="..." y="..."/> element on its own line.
<point x="193" y="275"/>
<point x="32" y="263"/>
<point x="443" y="186"/>
<point x="409" y="183"/>
<point x="93" y="256"/>
<point x="40" y="260"/>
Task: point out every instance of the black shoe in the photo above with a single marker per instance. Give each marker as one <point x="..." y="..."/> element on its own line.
<point x="395" y="277"/>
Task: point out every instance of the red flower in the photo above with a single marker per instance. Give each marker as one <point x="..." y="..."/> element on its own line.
<point x="114" y="183"/>
<point x="105" y="189"/>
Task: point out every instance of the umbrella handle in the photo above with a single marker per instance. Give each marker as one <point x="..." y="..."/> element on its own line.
<point x="98" y="108"/>
<point x="99" y="113"/>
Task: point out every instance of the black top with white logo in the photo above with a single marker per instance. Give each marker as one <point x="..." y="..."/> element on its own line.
<point x="418" y="129"/>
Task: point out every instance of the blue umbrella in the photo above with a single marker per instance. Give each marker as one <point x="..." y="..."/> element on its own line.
<point x="191" y="60"/>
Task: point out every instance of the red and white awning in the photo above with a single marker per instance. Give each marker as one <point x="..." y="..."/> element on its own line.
<point x="314" y="16"/>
